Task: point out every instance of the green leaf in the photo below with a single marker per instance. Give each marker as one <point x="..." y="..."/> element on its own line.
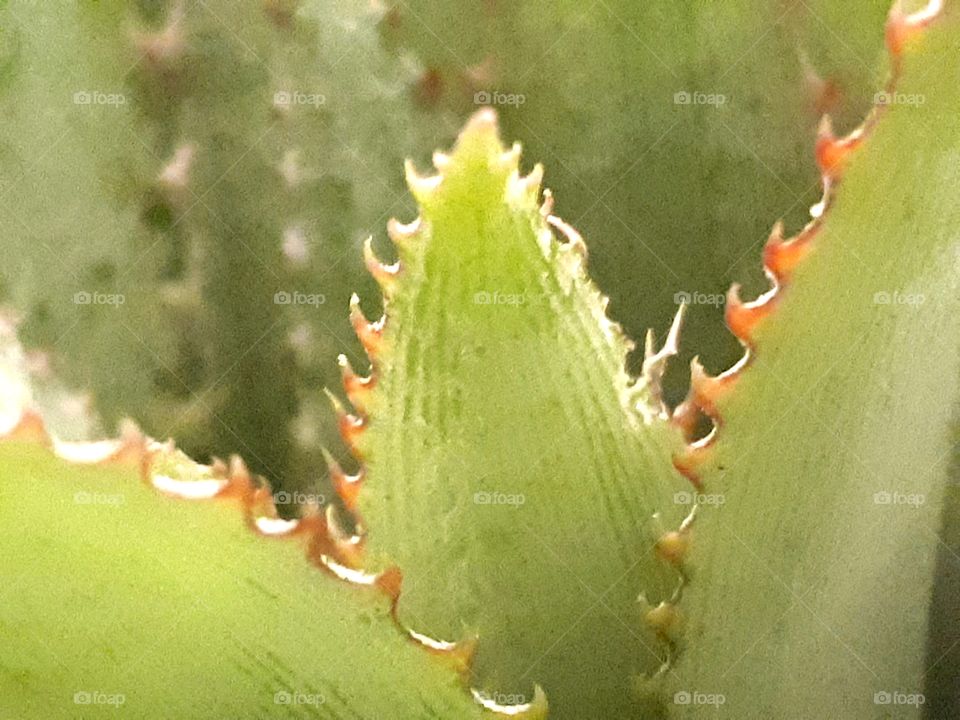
<point x="671" y="198"/>
<point x="512" y="469"/>
<point x="813" y="571"/>
<point x="123" y="590"/>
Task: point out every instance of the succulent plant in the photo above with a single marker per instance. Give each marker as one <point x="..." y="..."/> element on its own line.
<point x="525" y="526"/>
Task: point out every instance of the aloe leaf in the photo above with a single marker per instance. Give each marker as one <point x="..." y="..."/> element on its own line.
<point x="135" y="580"/>
<point x="812" y="575"/>
<point x="511" y="468"/>
<point x="673" y="131"/>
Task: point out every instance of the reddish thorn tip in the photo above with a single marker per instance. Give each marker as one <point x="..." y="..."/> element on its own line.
<point x="744" y="318"/>
<point x="833" y="154"/>
<point x="781" y="257"/>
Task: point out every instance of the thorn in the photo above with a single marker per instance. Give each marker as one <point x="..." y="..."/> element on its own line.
<point x="672" y="546"/>
<point x="218" y="467"/>
<point x="546" y="209"/>
<point x="458" y="654"/>
<point x="832" y="153"/>
<point x="175" y="175"/>
<point x="281" y="12"/>
<point x="421" y="186"/>
<point x="350" y="426"/>
<point x="655" y="362"/>
<point x="574" y="239"/>
<point x="240" y="484"/>
<point x="167" y="46"/>
<point x="901" y="27"/>
<point x="401" y="234"/>
<point x="347" y="547"/>
<point x="481" y="75"/>
<point x="781" y="257"/>
<point x="390" y="582"/>
<point x="744" y="318"/>
<point x="664" y="619"/>
<point x="536" y="709"/>
<point x="346" y="486"/>
<point x="357" y="387"/>
<point x="188" y="489"/>
<point x="706" y="390"/>
<point x="692" y="459"/>
<point x="369" y="333"/>
<point x="133" y="444"/>
<point x="509" y="159"/>
<point x="385" y="275"/>
<point x="528" y="187"/>
<point x="824" y="93"/>
<point x="238" y="471"/>
<point x="429" y="88"/>
<point x="290" y="168"/>
<point x="441" y="161"/>
<point x="29" y="427"/>
<point x="686" y="416"/>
